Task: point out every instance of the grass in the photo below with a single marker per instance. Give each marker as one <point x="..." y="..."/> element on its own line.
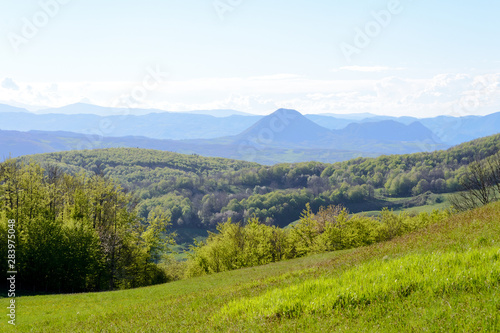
<point x="436" y="274"/>
<point x="444" y="278"/>
<point x="432" y="204"/>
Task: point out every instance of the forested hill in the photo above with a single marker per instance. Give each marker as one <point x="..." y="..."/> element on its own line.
<point x="127" y="161"/>
<point x="202" y="192"/>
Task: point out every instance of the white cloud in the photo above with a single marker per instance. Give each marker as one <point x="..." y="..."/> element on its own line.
<point x="275" y="77"/>
<point x="8" y="83"/>
<point x="448" y="94"/>
<point x="368" y="69"/>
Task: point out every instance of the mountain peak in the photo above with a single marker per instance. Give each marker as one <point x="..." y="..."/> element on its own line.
<point x="284" y="127"/>
<point x="287" y="112"/>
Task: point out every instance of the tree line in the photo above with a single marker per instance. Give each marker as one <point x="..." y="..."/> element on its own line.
<point x="203" y="192"/>
<point x="332" y="228"/>
<point x="78" y="232"/>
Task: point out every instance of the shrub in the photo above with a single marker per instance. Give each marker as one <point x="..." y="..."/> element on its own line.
<point x="331" y="229"/>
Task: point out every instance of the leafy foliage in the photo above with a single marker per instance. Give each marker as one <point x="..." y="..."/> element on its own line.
<point x="236" y="246"/>
<point x="77" y="233"/>
<point x="203" y="192"/>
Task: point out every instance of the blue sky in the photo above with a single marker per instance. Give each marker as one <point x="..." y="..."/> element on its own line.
<point x="410" y="57"/>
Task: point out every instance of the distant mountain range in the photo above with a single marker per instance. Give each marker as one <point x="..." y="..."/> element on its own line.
<point x="283" y="136"/>
<point x="84" y="108"/>
<point x="155" y="124"/>
<point x="220" y="113"/>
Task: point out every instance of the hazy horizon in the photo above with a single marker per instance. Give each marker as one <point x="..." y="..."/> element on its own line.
<point x="396" y="58"/>
<point x="38" y="110"/>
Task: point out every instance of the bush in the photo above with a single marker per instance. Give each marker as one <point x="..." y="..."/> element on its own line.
<point x="237" y="246"/>
<point x="331" y="229"/>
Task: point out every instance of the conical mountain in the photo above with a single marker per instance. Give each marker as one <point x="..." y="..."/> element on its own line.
<point x="286" y="127"/>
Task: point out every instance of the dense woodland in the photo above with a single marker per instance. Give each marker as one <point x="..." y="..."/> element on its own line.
<point x="202" y="192"/>
<point x="78" y="229"/>
<point x="77" y="232"/>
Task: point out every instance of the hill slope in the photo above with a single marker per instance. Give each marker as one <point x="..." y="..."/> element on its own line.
<point x="387" y="130"/>
<point x="417" y="300"/>
<point x="202" y="191"/>
<point x="262" y="148"/>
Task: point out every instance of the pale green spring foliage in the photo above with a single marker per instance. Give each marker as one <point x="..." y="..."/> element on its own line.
<point x="332" y="228"/>
<point x="78" y="232"/>
<point x="236" y="246"/>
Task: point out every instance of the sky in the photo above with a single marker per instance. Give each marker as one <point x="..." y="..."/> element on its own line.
<point x="417" y="58"/>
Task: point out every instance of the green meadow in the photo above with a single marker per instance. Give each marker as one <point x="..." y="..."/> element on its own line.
<point x="443" y="278"/>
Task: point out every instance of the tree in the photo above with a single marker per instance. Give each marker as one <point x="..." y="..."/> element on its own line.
<point x="422" y="187"/>
<point x="494" y="166"/>
<point x="155" y="237"/>
<point x="480" y="184"/>
<point x="77" y="233"/>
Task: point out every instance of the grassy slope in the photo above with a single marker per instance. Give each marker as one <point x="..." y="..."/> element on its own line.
<point x="397" y="205"/>
<point x="197" y="304"/>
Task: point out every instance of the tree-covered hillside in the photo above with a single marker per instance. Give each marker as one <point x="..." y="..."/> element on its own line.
<point x="75" y="233"/>
<point x="201" y="192"/>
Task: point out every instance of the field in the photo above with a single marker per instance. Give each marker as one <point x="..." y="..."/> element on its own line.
<point x="444" y="278"/>
<point x="434" y="201"/>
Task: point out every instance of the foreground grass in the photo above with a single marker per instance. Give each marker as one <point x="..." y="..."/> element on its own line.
<point x="447" y="280"/>
<point x="377" y="281"/>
